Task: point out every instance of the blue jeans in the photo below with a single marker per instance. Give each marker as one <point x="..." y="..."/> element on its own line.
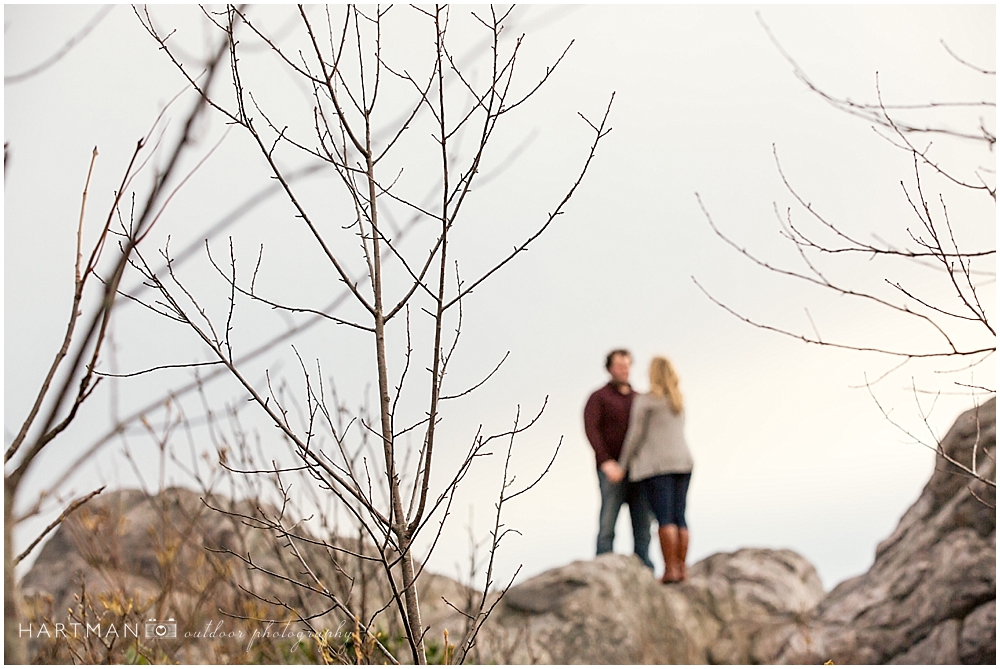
<point x="667" y="497"/>
<point x="613" y="495"/>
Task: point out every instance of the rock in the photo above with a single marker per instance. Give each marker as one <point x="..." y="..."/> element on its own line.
<point x="930" y="596"/>
<point x="938" y="647"/>
<point x="139" y="544"/>
<point x="977" y="643"/>
<point x="750" y="592"/>
<point x="135" y="556"/>
<point x="611" y="610"/>
<point x="755" y="583"/>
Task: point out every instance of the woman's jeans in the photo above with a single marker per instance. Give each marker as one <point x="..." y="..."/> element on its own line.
<point x="613" y="495"/>
<point x="666" y="495"/>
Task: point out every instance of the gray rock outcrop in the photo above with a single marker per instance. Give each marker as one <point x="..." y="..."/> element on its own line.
<point x="575" y="615"/>
<point x="170" y="555"/>
<point x="929" y="597"/>
<point x="748" y="593"/>
<point x="611" y="610"/>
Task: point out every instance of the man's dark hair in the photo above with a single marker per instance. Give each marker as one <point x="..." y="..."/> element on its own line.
<point x="617" y="351"/>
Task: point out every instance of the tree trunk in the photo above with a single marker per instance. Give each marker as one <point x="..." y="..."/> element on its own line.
<point x="398" y="516"/>
<point x="14" y="651"/>
<point x="412" y="605"/>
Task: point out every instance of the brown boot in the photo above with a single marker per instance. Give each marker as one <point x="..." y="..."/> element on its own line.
<point x="669" y="541"/>
<point x="683" y="537"/>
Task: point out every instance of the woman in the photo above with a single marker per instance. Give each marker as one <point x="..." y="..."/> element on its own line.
<point x="656" y="455"/>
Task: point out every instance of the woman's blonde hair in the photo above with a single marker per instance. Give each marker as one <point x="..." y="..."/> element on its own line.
<point x="663" y="382"/>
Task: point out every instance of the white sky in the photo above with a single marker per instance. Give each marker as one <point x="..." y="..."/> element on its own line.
<point x="790" y="448"/>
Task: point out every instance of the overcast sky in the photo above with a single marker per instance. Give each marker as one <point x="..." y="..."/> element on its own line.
<point x="790" y="448"/>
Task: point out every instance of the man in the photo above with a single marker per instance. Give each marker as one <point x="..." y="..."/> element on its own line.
<point x="605" y="419"/>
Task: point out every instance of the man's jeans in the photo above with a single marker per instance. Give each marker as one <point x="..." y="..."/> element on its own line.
<point x="613" y="495"/>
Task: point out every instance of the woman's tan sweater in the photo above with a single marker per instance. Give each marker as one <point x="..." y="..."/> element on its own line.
<point x="654" y="443"/>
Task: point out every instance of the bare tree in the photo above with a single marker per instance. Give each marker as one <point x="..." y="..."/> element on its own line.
<point x="441" y="120"/>
<point x="72" y="375"/>
<point x="937" y="270"/>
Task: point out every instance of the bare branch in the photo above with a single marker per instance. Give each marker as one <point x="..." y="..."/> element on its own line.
<point x="63" y="50"/>
<point x="76" y="504"/>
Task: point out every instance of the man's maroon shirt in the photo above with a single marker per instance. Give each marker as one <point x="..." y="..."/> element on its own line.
<point x="605" y="419"/>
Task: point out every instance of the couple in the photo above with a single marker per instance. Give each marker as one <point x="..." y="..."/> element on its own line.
<point x="642" y="459"/>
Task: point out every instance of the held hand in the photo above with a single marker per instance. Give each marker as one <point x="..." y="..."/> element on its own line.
<point x="613" y="471"/>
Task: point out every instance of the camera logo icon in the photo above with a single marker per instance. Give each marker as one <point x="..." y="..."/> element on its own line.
<point x="161" y="629"/>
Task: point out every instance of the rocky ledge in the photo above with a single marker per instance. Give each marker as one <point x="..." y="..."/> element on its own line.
<point x="929" y="597"/>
